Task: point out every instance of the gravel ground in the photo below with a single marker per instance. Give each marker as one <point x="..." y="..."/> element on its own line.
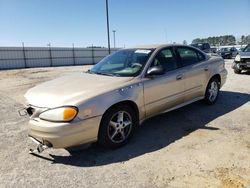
<point x="194" y="146"/>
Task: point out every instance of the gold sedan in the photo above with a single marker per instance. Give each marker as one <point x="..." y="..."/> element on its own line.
<point x="110" y="100"/>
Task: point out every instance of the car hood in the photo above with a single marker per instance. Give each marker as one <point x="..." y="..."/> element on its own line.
<point x="245" y="54"/>
<point x="72" y="89"/>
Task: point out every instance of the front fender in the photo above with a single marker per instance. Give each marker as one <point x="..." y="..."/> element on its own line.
<point x="98" y="105"/>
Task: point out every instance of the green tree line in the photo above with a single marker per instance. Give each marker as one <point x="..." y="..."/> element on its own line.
<point x="223" y="40"/>
<point x="245" y="39"/>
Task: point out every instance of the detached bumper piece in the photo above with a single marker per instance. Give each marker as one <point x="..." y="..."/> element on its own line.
<point x="41" y="146"/>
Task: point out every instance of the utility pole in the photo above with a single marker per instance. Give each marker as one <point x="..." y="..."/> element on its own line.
<point x="50" y="54"/>
<point x="114" y="36"/>
<point x="24" y="56"/>
<point x="107" y="16"/>
<point x="73" y="50"/>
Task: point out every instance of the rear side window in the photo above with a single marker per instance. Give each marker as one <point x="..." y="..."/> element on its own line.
<point x="189" y="56"/>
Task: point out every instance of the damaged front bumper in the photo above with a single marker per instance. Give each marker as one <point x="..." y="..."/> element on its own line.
<point x="48" y="134"/>
<point x="64" y="135"/>
<point x="41" y="145"/>
<point x="239" y="65"/>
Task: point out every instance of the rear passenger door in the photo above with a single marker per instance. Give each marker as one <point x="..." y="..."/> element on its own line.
<point x="195" y="70"/>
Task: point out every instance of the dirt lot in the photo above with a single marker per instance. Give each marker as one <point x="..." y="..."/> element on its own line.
<point x="195" y="146"/>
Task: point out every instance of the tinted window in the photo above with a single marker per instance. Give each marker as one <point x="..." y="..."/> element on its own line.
<point x="201" y="46"/>
<point x="188" y="56"/>
<point x="224" y="49"/>
<point x="207" y="46"/>
<point x="247" y="49"/>
<point x="201" y="56"/>
<point x="233" y="49"/>
<point x="166" y="59"/>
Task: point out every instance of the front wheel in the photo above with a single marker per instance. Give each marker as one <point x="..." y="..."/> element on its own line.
<point x="237" y="69"/>
<point x="212" y="91"/>
<point x="117" y="126"/>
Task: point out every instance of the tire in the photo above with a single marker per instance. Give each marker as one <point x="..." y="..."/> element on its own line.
<point x="212" y="91"/>
<point x="237" y="71"/>
<point x="117" y="126"/>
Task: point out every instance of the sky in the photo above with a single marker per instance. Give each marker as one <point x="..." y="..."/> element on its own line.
<point x="137" y="22"/>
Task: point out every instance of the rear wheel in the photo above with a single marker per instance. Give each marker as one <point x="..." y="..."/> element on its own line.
<point x="212" y="91"/>
<point x="117" y="126"/>
<point x="237" y="71"/>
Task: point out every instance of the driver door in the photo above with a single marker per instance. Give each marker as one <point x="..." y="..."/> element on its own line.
<point x="163" y="92"/>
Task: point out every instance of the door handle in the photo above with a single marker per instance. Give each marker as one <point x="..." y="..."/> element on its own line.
<point x="206" y="69"/>
<point x="179" y="77"/>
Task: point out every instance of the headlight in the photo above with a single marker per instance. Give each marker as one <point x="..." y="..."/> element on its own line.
<point x="237" y="58"/>
<point x="61" y="114"/>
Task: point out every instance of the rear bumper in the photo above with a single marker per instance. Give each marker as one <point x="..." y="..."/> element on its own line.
<point x="63" y="135"/>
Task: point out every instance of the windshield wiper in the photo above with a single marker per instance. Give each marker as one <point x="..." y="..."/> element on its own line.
<point x="89" y="71"/>
<point x="102" y="73"/>
<point x="106" y="74"/>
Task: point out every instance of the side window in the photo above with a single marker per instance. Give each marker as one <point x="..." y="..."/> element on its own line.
<point x="166" y="59"/>
<point x="188" y="56"/>
<point x="201" y="57"/>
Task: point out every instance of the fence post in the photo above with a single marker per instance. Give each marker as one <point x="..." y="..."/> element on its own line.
<point x="93" y="57"/>
<point x="50" y="55"/>
<point x="74" y="59"/>
<point x="24" y="56"/>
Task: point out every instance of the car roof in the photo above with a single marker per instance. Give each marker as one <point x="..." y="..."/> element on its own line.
<point x="156" y="46"/>
<point x="160" y="46"/>
<point x="200" y="43"/>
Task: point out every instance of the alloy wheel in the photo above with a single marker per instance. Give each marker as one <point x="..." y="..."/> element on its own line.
<point x="119" y="127"/>
<point x="213" y="91"/>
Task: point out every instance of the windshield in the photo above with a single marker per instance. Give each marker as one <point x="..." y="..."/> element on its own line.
<point x="224" y="49"/>
<point x="247" y="49"/>
<point x="128" y="62"/>
<point x="197" y="46"/>
<point x="201" y="46"/>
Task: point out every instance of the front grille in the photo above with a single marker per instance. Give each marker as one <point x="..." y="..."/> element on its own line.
<point x="245" y="60"/>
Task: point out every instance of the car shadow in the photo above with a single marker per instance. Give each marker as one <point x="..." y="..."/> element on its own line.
<point x="158" y="132"/>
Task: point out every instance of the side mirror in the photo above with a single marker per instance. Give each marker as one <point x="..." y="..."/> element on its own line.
<point x="156" y="70"/>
